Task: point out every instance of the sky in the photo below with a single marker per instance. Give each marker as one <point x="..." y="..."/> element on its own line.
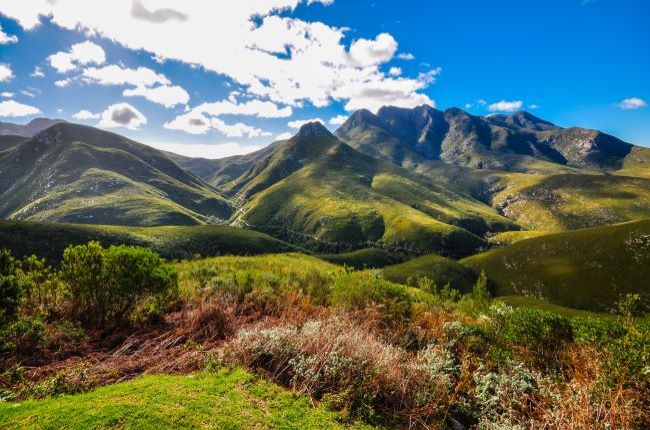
<point x="218" y="78"/>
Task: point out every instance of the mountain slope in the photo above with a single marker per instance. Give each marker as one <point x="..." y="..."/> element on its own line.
<point x="497" y="142"/>
<point x="73" y="173"/>
<point x="28" y="130"/>
<point x="315" y="189"/>
<point x="587" y="269"/>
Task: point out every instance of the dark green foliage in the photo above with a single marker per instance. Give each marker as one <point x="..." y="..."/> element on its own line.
<point x="627" y="360"/>
<point x="545" y="334"/>
<point x="10" y="286"/>
<point x="596" y="331"/>
<point x="105" y="285"/>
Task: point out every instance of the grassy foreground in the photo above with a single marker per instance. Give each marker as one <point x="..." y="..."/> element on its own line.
<point x="225" y="400"/>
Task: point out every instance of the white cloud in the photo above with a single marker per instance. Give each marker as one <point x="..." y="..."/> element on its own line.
<point x="79" y="54"/>
<point x="29" y="94"/>
<point x="338" y="120"/>
<point x="207" y="151"/>
<point x="117" y="75"/>
<point x="468" y="106"/>
<point x="300" y="122"/>
<point x="6" y="39"/>
<point x="62" y="83"/>
<point x="406" y="56"/>
<point x="632" y="103"/>
<point x="5" y="72"/>
<point x="166" y="95"/>
<point x="371" y="52"/>
<point x="283" y="136"/>
<point x="202" y="118"/>
<point x="122" y="115"/>
<point x="271" y="56"/>
<point x="10" y="108"/>
<point x="533" y="106"/>
<point x="505" y="106"/>
<point x="7" y="94"/>
<point x="37" y="73"/>
<point x="84" y="115"/>
<point x="395" y="71"/>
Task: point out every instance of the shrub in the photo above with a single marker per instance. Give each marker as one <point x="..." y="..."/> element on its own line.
<point x="596" y="331"/>
<point x="24" y="335"/>
<point x="359" y="290"/>
<point x="544" y="334"/>
<point x="10" y="286"/>
<point x="105" y="285"/>
<point x="41" y="289"/>
<point x="478" y="301"/>
<point x="351" y="368"/>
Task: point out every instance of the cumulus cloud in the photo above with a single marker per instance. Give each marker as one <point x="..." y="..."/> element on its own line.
<point x="206" y="116"/>
<point x="166" y="95"/>
<point x="338" y="120"/>
<point x="300" y="122"/>
<point x="37" y="73"/>
<point x="62" y="83"/>
<point x="11" y="108"/>
<point x="84" y="115"/>
<point x="632" y="103"/>
<point x="371" y="52"/>
<point x="271" y="56"/>
<point x="283" y="136"/>
<point x="395" y="71"/>
<point x="118" y="75"/>
<point x="207" y="151"/>
<point x="158" y="16"/>
<point x="407" y="56"/>
<point x="122" y="115"/>
<point x="5" y="72"/>
<point x="505" y="106"/>
<point x="6" y="39"/>
<point x="6" y="94"/>
<point x="79" y="54"/>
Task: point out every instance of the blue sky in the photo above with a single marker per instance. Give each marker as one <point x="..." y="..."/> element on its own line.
<point x="219" y="78"/>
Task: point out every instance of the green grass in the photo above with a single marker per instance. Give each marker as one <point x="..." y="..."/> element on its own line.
<point x="225" y="400"/>
<point x="533" y="303"/>
<point x="585" y="269"/>
<point x="48" y="240"/>
<point x="440" y="270"/>
<point x="326" y="194"/>
<point x="510" y="237"/>
<point x="368" y="258"/>
<point x="80" y="174"/>
<point x="571" y="201"/>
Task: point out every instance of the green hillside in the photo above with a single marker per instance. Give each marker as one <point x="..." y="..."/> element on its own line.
<point x="48" y="240"/>
<point x="441" y="271"/>
<point x="370" y="258"/>
<point x="586" y="269"/>
<point x="73" y="173"/>
<point x="225" y="400"/>
<point x="318" y="191"/>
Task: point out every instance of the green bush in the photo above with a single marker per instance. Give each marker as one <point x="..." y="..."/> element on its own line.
<point x="627" y="360"/>
<point x="105" y="285"/>
<point x="545" y="334"/>
<point x="25" y="335"/>
<point x="596" y="331"/>
<point x="10" y="286"/>
<point x="358" y="290"/>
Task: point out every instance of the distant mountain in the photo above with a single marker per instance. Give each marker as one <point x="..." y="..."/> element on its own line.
<point x="497" y="142"/>
<point x="317" y="191"/>
<point x="28" y="130"/>
<point x="74" y="173"/>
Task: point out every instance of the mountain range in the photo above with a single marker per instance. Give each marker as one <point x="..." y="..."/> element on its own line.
<point x="416" y="180"/>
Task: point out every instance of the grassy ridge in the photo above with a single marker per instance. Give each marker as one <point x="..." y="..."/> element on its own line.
<point x="440" y="270"/>
<point x="585" y="269"/>
<point x="48" y="240"/>
<point x="370" y="258"/>
<point x="225" y="400"/>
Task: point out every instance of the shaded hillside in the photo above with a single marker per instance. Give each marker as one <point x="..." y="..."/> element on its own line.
<point x="313" y="188"/>
<point x="73" y="173"/>
<point x="48" y="240"/>
<point x="587" y="269"/>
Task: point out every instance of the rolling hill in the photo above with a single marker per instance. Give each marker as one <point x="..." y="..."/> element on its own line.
<point x="586" y="269"/>
<point x="27" y="130"/>
<point x="48" y="240"/>
<point x="315" y="190"/>
<point x="73" y="173"/>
